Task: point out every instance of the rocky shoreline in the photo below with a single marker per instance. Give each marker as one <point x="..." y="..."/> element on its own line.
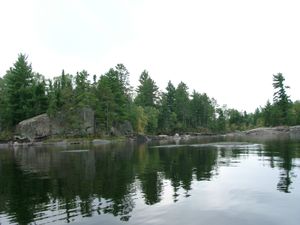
<point x="281" y="132"/>
<point x="263" y="133"/>
<point x="43" y="130"/>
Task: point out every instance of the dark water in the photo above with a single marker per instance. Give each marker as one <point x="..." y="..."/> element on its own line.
<point x="131" y="184"/>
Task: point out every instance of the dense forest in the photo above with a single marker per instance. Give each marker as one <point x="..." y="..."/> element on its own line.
<point x="25" y="93"/>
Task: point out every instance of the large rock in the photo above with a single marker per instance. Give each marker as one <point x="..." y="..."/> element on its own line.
<point x="281" y="132"/>
<point x="295" y="132"/>
<point x="123" y="129"/>
<point x="41" y="126"/>
<point x="35" y="127"/>
<point x="269" y="132"/>
<point x="88" y="119"/>
<point x="78" y="122"/>
<point x="140" y="138"/>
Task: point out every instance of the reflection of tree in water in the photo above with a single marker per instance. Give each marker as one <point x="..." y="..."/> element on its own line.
<point x="73" y="183"/>
<point x="286" y="164"/>
<point x="118" y="207"/>
<point x="97" y="182"/>
<point x="178" y="165"/>
<point x="281" y="154"/>
<point x="114" y="181"/>
<point x="149" y="175"/>
<point x="106" y="180"/>
<point x="22" y="192"/>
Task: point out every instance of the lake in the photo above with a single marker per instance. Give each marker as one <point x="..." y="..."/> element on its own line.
<point x="171" y="183"/>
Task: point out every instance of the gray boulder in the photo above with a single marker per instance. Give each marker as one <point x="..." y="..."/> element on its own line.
<point x="81" y="122"/>
<point x="126" y="128"/>
<point x="77" y="122"/>
<point x="295" y="132"/>
<point x="35" y="127"/>
<point x="268" y="132"/>
<point x="140" y="138"/>
<point x="123" y="129"/>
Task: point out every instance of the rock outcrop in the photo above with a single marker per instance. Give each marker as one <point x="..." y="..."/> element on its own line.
<point x="42" y="126"/>
<point x="269" y="132"/>
<point x="35" y="127"/>
<point x="281" y="132"/>
<point x="295" y="132"/>
<point x="123" y="129"/>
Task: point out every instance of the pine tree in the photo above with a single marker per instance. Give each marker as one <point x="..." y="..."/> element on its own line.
<point x="19" y="81"/>
<point x="182" y="103"/>
<point x="147" y="92"/>
<point x="167" y="119"/>
<point x="82" y="89"/>
<point x="281" y="99"/>
<point x="40" y="99"/>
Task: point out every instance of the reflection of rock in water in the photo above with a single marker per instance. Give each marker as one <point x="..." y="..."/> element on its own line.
<point x="33" y="161"/>
<point x="76" y="180"/>
<point x="38" y="160"/>
<point x="218" y="145"/>
<point x="231" y="145"/>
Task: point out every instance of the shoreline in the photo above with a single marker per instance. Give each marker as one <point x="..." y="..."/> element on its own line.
<point x="262" y="133"/>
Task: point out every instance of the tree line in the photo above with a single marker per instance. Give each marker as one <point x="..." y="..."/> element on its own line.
<point x="25" y="93"/>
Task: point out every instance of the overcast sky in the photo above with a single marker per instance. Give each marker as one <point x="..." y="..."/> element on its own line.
<point x="228" y="49"/>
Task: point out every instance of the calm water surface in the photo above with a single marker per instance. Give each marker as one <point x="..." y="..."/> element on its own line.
<point x="152" y="184"/>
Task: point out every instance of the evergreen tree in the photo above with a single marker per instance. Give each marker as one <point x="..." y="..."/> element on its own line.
<point x="4" y="113"/>
<point x="123" y="77"/>
<point x="170" y="97"/>
<point x="107" y="109"/>
<point x="202" y="110"/>
<point x="281" y="99"/>
<point x="114" y="93"/>
<point x="40" y="99"/>
<point x="257" y="118"/>
<point x="182" y="102"/>
<point x="167" y="116"/>
<point x="221" y="120"/>
<point x="82" y="89"/>
<point x="61" y="94"/>
<point x="296" y="113"/>
<point x="147" y="92"/>
<point x="270" y="114"/>
<point x="19" y="81"/>
<point x="62" y="104"/>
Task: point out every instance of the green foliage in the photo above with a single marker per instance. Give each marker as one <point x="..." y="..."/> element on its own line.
<point x="114" y="97"/>
<point x="24" y="93"/>
<point x="18" y="81"/>
<point x="82" y="89"/>
<point x="281" y="100"/>
<point x="40" y="99"/>
<point x="61" y="94"/>
<point x="202" y="110"/>
<point x="182" y="108"/>
<point x="295" y="113"/>
<point x="221" y="120"/>
<point x="147" y="92"/>
<point x="167" y="117"/>
<point x="139" y="119"/>
<point x="152" y="119"/>
<point x="4" y="110"/>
